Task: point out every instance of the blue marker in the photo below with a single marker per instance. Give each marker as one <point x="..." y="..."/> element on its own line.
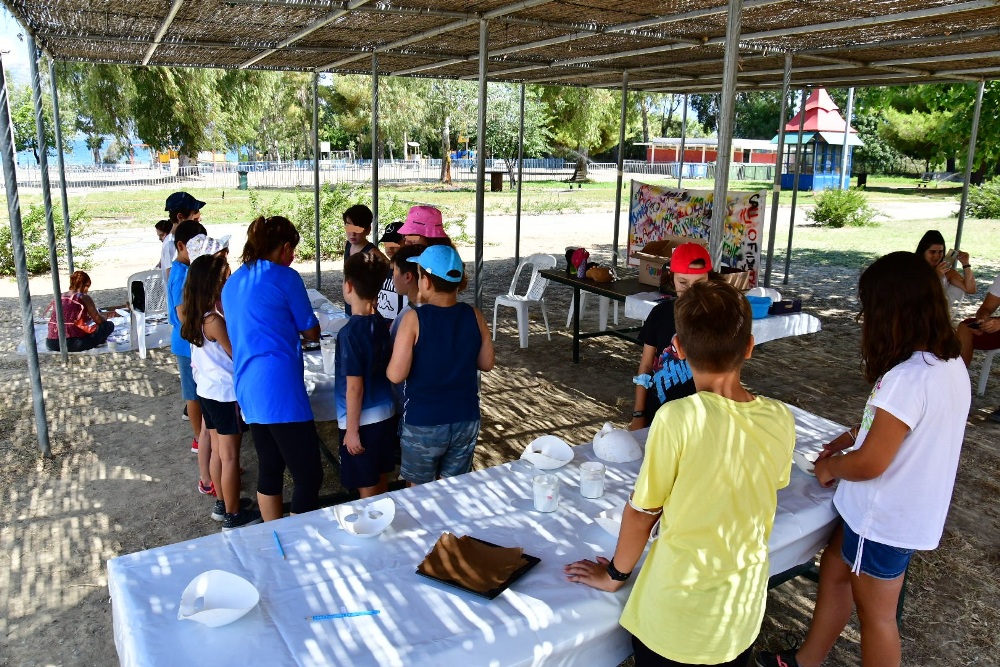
<point x="346" y="614"/>
<point x="278" y="542"/>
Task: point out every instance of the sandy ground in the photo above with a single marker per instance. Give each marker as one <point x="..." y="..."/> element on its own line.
<point x="121" y="478"/>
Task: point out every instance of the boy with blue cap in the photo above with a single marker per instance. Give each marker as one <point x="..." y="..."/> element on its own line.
<point x="438" y="351"/>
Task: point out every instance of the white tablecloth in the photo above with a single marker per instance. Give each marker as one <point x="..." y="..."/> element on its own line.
<point x="319" y="384"/>
<point x="542" y="619"/>
<point x="638" y="307"/>
<point x="157" y="335"/>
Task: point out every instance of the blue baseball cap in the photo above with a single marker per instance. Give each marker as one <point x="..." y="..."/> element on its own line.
<point x="182" y="201"/>
<point x="441" y="261"/>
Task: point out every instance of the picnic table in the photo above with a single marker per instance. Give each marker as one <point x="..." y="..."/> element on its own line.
<point x="540" y="619"/>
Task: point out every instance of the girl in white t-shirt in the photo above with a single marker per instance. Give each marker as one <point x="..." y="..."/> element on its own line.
<point x="896" y="484"/>
<point x="211" y="361"/>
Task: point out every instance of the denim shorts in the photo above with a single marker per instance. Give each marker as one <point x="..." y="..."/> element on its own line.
<point x="878" y="560"/>
<point x="189" y="390"/>
<point x="444" y="450"/>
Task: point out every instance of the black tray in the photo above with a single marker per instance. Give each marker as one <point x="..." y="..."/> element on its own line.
<point x="529" y="562"/>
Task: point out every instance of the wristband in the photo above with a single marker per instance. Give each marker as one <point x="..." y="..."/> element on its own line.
<point x="967" y="266"/>
<point x="637" y="413"/>
<point x="615" y="574"/>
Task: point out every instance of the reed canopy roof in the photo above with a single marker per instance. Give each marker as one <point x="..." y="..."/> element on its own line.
<point x="665" y="45"/>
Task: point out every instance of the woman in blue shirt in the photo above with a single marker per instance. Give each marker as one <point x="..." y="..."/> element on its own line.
<point x="267" y="307"/>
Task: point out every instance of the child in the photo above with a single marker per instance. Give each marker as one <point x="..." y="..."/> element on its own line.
<point x="211" y="359"/>
<point x="267" y="309"/>
<point x="662" y="375"/>
<point x="184" y="232"/>
<point x="437" y="351"/>
<point x="365" y="405"/>
<point x="182" y="207"/>
<point x="389" y="302"/>
<point x="714" y="462"/>
<point x="358" y="225"/>
<point x="163" y="227"/>
<point x="424" y="226"/>
<point x="896" y="484"/>
<point x="405" y="276"/>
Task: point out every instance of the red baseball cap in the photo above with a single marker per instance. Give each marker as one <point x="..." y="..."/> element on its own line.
<point x="687" y="253"/>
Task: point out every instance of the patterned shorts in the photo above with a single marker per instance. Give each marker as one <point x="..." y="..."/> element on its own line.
<point x="444" y="450"/>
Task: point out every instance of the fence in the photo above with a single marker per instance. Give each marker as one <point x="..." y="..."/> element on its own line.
<point x="299" y="173"/>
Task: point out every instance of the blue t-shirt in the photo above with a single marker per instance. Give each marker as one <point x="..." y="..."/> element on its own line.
<point x="442" y="386"/>
<point x="175" y="297"/>
<point x="266" y="306"/>
<point x="363" y="350"/>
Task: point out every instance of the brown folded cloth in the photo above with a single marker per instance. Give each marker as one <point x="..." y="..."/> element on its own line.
<point x="471" y="563"/>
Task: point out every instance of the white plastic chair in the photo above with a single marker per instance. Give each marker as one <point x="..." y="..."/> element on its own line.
<point x="155" y="306"/>
<point x="603" y="304"/>
<point x="984" y="371"/>
<point x="520" y="302"/>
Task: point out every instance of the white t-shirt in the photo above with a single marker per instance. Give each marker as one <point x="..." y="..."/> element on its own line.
<point x="995" y="287"/>
<point x="168" y="253"/>
<point x="906" y="505"/>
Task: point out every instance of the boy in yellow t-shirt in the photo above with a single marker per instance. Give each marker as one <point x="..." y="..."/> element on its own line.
<point x="714" y="462"/>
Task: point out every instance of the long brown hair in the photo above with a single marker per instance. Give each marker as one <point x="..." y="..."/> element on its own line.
<point x="267" y="234"/>
<point x="903" y="310"/>
<point x="78" y="281"/>
<point x="202" y="291"/>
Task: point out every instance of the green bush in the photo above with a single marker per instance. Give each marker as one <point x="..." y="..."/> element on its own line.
<point x="984" y="201"/>
<point x="333" y="201"/>
<point x="843" y="208"/>
<point x="36" y="244"/>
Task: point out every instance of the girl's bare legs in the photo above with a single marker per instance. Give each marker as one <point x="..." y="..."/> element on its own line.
<point x="877" y="600"/>
<point x="834" y="603"/>
<point x="204" y="451"/>
<point x="228" y="447"/>
<point x="215" y="464"/>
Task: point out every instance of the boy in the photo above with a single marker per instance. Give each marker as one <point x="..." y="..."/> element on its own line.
<point x="438" y="349"/>
<point x="390" y="303"/>
<point x="714" y="462"/>
<point x="181" y="206"/>
<point x="365" y="405"/>
<point x="405" y="275"/>
<point x="358" y="225"/>
<point x="184" y="232"/>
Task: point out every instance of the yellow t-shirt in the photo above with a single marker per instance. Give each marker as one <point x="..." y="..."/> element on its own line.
<point x="714" y="466"/>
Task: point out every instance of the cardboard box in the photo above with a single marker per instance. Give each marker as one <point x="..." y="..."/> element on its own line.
<point x="736" y="277"/>
<point x="655" y="254"/>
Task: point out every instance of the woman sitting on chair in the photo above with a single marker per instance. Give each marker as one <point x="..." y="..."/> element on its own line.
<point x="86" y="326"/>
<point x="931" y="248"/>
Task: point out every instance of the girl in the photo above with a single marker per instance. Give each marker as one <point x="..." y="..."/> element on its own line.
<point x="266" y="308"/>
<point x="86" y="326"/>
<point x="662" y="375"/>
<point x="931" y="248"/>
<point x="211" y="360"/>
<point x="896" y="483"/>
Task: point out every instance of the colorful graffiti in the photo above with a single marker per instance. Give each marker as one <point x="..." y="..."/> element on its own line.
<point x="656" y="211"/>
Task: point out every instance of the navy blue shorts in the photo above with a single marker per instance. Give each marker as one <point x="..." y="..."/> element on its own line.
<point x="223" y="418"/>
<point x="380" y="442"/>
<point x="878" y="560"/>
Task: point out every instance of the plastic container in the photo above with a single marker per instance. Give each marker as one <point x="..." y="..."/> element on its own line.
<point x="759" y="305"/>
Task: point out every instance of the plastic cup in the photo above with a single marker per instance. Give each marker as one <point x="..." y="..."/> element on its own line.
<point x="112" y="346"/>
<point x="546" y="493"/>
<point x="592" y="479"/>
<point x="328" y="346"/>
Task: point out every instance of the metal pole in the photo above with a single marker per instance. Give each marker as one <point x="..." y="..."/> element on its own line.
<point x="481" y="161"/>
<point x="621" y="171"/>
<point x="684" y="131"/>
<point x="727" y="109"/>
<point x="43" y="165"/>
<point x="795" y="186"/>
<point x="375" y="150"/>
<point x="968" y="163"/>
<point x="316" y="170"/>
<point x="786" y="83"/>
<point x="21" y="265"/>
<point x="845" y="175"/>
<point x="520" y="172"/>
<point x="62" y="166"/>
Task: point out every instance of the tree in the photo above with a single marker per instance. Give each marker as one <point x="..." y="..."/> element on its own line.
<point x="503" y="124"/>
<point x="917" y="134"/>
<point x="584" y="120"/>
<point x="22" y="113"/>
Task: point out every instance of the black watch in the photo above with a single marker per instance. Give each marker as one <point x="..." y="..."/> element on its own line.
<point x="615" y="574"/>
<point x="638" y="413"/>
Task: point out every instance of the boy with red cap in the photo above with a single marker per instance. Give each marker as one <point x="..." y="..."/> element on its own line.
<point x="663" y="376"/>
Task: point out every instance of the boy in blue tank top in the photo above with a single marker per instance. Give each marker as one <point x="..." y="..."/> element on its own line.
<point x="365" y="404"/>
<point x="439" y="349"/>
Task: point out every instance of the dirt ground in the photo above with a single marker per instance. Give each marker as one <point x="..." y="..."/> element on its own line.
<point x="122" y="479"/>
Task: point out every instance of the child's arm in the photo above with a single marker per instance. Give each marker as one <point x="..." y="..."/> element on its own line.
<point x="487" y="357"/>
<point x="871" y="459"/>
<point x="215" y="330"/>
<point x="355" y="392"/>
<point x="632" y="538"/>
<point x="402" y="350"/>
<point x="645" y="366"/>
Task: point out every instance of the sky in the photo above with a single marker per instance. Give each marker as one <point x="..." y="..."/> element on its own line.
<point x="14" y="49"/>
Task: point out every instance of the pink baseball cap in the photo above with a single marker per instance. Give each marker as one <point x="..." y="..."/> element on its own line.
<point x="423" y="221"/>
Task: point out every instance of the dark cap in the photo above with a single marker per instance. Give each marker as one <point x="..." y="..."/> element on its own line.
<point x="391" y="233"/>
<point x="182" y="201"/>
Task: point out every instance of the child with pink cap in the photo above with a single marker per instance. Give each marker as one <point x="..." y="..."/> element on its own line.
<point x="424" y="226"/>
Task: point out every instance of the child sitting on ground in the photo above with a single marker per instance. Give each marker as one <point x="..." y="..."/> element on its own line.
<point x="438" y="349"/>
<point x="365" y="406"/>
<point x="714" y="462"/>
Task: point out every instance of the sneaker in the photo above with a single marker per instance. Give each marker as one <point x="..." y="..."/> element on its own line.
<point x="184" y="415"/>
<point x="240" y="519"/>
<point x="219" y="511"/>
<point x="194" y="445"/>
<point x="206" y="489"/>
<point x="783" y="659"/>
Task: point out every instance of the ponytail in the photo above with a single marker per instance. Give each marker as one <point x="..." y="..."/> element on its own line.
<point x="265" y="235"/>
